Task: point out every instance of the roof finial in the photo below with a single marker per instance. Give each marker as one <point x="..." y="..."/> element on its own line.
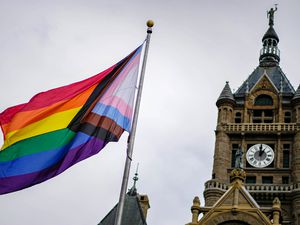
<point x="132" y="191"/>
<point x="247" y="86"/>
<point x="270" y="15"/>
<point x="136" y="178"/>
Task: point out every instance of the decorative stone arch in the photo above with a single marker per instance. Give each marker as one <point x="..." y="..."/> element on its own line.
<point x="239" y="218"/>
<point x="254" y="95"/>
<point x="263" y="100"/>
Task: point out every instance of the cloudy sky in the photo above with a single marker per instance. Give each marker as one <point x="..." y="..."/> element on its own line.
<point x="196" y="46"/>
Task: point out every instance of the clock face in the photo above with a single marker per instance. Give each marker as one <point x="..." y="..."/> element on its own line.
<point x="260" y="155"/>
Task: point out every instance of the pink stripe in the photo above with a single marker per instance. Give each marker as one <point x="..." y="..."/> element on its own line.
<point x="133" y="63"/>
<point x="118" y="103"/>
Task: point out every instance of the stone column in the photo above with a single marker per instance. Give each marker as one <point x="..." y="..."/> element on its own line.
<point x="278" y="151"/>
<point x="195" y="210"/>
<point x="222" y="156"/>
<point x="276" y="211"/>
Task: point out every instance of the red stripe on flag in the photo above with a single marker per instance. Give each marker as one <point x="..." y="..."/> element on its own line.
<point x="52" y="96"/>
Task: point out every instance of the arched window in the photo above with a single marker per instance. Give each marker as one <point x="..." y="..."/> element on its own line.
<point x="225" y="115"/>
<point x="265" y="43"/>
<point x="269" y="42"/>
<point x="263" y="100"/>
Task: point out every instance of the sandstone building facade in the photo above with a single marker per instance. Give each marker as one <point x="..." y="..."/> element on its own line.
<point x="262" y="120"/>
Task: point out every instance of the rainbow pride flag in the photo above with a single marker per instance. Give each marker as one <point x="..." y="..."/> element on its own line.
<point x="62" y="126"/>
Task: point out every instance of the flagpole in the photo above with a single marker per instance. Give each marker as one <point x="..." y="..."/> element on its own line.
<point x="131" y="137"/>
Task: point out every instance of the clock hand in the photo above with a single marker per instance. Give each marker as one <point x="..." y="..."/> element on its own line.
<point x="260" y="150"/>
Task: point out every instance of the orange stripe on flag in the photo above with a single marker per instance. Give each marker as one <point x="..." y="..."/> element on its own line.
<point x="23" y="119"/>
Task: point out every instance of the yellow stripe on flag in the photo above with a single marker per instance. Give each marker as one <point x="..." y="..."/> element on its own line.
<point x="54" y="122"/>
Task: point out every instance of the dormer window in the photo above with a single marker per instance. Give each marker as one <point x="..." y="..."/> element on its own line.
<point x="263" y="100"/>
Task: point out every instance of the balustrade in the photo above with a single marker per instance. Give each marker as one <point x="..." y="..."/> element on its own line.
<point x="255" y="188"/>
<point x="261" y="127"/>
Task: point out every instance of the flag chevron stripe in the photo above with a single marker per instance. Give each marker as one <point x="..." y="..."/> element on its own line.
<point x="104" y="122"/>
<point x="65" y="125"/>
<point x="14" y="183"/>
<point x="102" y="133"/>
<point x="123" y="79"/>
<point x="99" y="91"/>
<point x="119" y="103"/>
<point x="114" y="114"/>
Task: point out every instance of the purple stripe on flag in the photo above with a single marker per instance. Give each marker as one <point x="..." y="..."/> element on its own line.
<point x="92" y="147"/>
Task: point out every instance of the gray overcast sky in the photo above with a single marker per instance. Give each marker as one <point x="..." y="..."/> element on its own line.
<point x="196" y="46"/>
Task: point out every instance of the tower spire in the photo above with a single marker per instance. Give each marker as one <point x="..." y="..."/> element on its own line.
<point x="132" y="190"/>
<point x="270" y="54"/>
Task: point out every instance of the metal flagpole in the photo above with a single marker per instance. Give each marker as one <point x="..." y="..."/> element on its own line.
<point x="131" y="137"/>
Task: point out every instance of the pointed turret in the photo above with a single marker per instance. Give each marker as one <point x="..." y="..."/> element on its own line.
<point x="270" y="54"/>
<point x="226" y="95"/>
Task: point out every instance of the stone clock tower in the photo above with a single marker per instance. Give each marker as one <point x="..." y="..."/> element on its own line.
<point x="261" y="120"/>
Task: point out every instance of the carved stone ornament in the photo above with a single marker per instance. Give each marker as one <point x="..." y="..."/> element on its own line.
<point x="237" y="173"/>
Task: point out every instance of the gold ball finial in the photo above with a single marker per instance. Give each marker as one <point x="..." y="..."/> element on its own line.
<point x="150" y="23"/>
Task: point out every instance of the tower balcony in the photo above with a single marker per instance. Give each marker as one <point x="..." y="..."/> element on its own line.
<point x="270" y="50"/>
<point x="260" y="127"/>
<point x="213" y="185"/>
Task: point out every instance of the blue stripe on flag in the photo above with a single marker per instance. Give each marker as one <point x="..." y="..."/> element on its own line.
<point x="114" y="114"/>
<point x="42" y="160"/>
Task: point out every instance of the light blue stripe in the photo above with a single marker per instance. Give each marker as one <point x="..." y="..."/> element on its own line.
<point x="114" y="114"/>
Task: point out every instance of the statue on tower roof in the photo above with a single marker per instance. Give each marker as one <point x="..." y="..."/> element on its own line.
<point x="270" y="15"/>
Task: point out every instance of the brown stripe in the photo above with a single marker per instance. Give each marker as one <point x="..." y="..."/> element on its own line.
<point x="104" y="122"/>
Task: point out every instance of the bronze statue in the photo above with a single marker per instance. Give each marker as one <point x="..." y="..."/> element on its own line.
<point x="270" y="15"/>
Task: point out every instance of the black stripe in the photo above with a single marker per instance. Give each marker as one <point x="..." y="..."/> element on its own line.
<point x="97" y="93"/>
<point x="99" y="132"/>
